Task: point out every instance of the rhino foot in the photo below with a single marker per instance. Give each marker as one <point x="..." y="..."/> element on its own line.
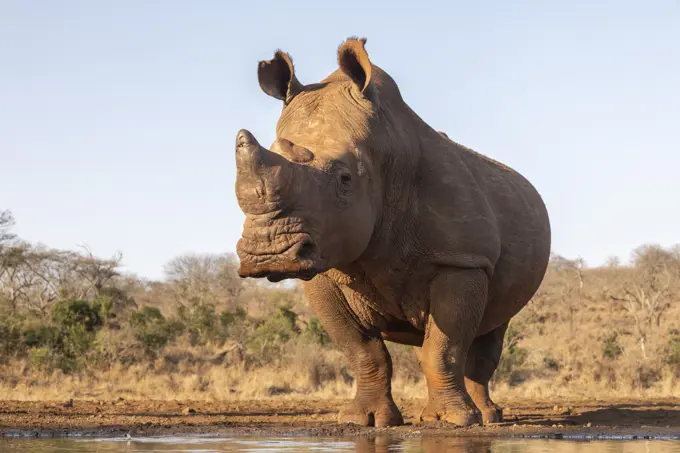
<point x="372" y="413"/>
<point x="459" y="416"/>
<point x="492" y="415"/>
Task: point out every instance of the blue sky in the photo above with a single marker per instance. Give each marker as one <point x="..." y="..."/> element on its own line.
<point x="118" y="119"/>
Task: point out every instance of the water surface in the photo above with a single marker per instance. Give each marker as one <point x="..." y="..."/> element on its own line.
<point x="198" y="444"/>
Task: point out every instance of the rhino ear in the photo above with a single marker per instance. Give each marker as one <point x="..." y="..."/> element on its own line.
<point x="353" y="61"/>
<point x="277" y="77"/>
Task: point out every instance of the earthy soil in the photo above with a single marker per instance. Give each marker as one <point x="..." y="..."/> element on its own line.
<point x="654" y="418"/>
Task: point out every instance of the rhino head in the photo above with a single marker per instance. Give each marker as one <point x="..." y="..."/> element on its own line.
<point x="312" y="199"/>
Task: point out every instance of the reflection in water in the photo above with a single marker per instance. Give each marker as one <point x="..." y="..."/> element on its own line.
<point x="488" y="445"/>
<point x="308" y="444"/>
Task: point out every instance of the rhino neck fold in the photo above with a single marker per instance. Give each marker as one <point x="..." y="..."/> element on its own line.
<point x="395" y="223"/>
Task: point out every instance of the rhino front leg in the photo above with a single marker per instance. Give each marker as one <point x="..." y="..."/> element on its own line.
<point x="367" y="355"/>
<point x="457" y="301"/>
<point x="482" y="360"/>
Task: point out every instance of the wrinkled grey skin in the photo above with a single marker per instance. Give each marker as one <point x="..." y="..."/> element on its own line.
<point x="399" y="234"/>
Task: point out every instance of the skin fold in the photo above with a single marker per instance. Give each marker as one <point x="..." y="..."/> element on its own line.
<point x="398" y="233"/>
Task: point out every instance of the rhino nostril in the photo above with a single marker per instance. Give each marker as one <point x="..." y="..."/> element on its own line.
<point x="306" y="251"/>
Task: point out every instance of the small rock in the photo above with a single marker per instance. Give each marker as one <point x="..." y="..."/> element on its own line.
<point x="188" y="411"/>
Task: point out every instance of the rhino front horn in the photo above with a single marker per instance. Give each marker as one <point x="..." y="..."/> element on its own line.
<point x="248" y="152"/>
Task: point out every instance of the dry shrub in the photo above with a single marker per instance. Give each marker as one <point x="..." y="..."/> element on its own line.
<point x="82" y="329"/>
<point x="405" y="363"/>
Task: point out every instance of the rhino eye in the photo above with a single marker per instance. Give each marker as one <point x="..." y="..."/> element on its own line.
<point x="344" y="188"/>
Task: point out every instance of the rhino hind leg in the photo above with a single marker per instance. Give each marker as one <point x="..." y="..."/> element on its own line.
<point x="482" y="360"/>
<point x="367" y="355"/>
<point x="457" y="301"/>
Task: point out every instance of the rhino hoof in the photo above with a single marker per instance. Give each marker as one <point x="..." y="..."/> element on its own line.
<point x="492" y="415"/>
<point x="378" y="415"/>
<point x="459" y="418"/>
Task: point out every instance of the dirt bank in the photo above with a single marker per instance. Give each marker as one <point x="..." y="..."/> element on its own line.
<point x="308" y="417"/>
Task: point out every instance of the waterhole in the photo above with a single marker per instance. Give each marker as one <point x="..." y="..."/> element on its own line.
<point x="204" y="444"/>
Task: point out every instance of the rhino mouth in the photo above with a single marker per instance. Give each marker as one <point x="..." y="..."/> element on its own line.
<point x="281" y="259"/>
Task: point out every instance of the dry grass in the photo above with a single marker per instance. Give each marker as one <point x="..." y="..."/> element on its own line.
<point x="212" y="382"/>
<point x="573" y="340"/>
<point x="310" y="372"/>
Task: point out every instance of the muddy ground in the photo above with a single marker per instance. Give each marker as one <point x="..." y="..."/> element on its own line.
<point x="273" y="417"/>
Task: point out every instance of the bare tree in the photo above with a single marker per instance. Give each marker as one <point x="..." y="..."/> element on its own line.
<point x="195" y="280"/>
<point x="95" y="273"/>
<point x="612" y="262"/>
<point x="6" y="225"/>
<point x="646" y="294"/>
<point x="34" y="278"/>
<point x="571" y="272"/>
<point x="50" y="275"/>
<point x="15" y="278"/>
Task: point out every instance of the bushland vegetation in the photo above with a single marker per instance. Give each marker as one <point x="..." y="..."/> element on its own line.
<point x="73" y="325"/>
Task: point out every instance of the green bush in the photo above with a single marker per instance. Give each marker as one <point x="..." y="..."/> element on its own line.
<point x="674" y="353"/>
<point x="152" y="330"/>
<point x="71" y="348"/>
<point x="267" y="341"/>
<point x="511" y="361"/>
<point x="315" y="333"/>
<point x="229" y="319"/>
<point x="40" y="357"/>
<point x="73" y="313"/>
<point x="551" y="363"/>
<point x="115" y="304"/>
<point x="611" y="348"/>
<point x="65" y="348"/>
<point x="41" y="335"/>
<point x="512" y="358"/>
<point x="10" y="340"/>
<point x="201" y="323"/>
<point x="114" y="345"/>
<point x="65" y="344"/>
